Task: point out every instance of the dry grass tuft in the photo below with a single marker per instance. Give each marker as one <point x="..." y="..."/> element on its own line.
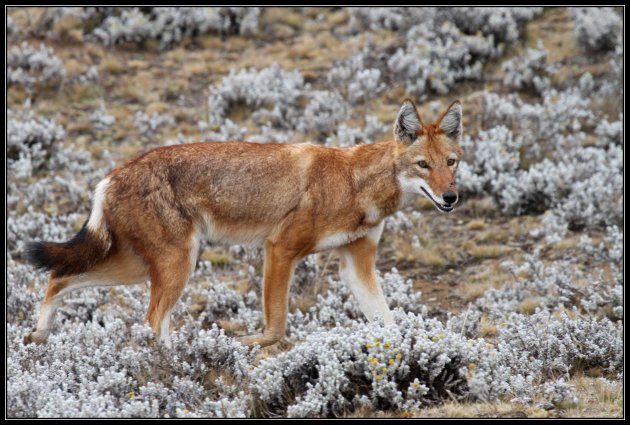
<point x="478" y="224"/>
<point x="487" y="328"/>
<point x="430" y="257"/>
<point x="482" y="252"/>
<point x="529" y="305"/>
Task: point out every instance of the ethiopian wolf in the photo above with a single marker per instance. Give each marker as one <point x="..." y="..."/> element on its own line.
<point x="149" y="215"/>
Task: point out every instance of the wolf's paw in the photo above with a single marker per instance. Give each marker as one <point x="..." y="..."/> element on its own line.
<point x="263" y="340"/>
<point x="36" y="337"/>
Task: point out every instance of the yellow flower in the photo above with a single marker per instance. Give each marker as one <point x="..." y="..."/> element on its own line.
<point x="391" y="361"/>
<point x="387" y="344"/>
<point x="385" y="370"/>
<point x="398" y="356"/>
<point x="471" y="365"/>
<point x="132" y="395"/>
<point x="379" y="376"/>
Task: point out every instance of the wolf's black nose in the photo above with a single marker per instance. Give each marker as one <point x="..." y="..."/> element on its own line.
<point x="450" y="197"/>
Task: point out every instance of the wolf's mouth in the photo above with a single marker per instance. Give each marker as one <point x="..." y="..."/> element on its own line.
<point x="441" y="207"/>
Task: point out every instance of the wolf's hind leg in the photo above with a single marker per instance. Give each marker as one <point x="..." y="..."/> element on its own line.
<point x="121" y="267"/>
<point x="279" y="266"/>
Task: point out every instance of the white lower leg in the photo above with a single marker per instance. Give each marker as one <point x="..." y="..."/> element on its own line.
<point x="368" y="294"/>
<point x="44" y="324"/>
<point x="164" y="329"/>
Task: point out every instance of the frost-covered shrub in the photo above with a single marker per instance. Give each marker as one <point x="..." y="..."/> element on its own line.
<point x="169" y="25"/>
<point x="550" y="286"/>
<point x="529" y="71"/>
<point x="24" y="286"/>
<point x="180" y="139"/>
<point x="107" y="377"/>
<point x="364" y="85"/>
<point x="28" y="66"/>
<point x="228" y="131"/>
<point x="596" y="29"/>
<point x="31" y="141"/>
<point x="560" y="114"/>
<point x="500" y="22"/>
<point x="583" y="188"/>
<point x="362" y="72"/>
<point x="611" y="87"/>
<point x="148" y="124"/>
<point x="401" y="367"/>
<point x="270" y="87"/>
<point x="546" y="126"/>
<point x="390" y="18"/>
<point x="560" y="393"/>
<point x="12" y="28"/>
<point x="442" y="47"/>
<point x="595" y="199"/>
<point x="605" y="294"/>
<point x="494" y="152"/>
<point x="105" y="362"/>
<point x="452" y="47"/>
<point x="553" y="287"/>
<point x="307" y="271"/>
<point x="267" y="134"/>
<point x="33" y="225"/>
<point x="88" y="16"/>
<point x="325" y="110"/>
<point x="582" y="185"/>
<point x="346" y="136"/>
<point x="402" y="222"/>
<point x="90" y="76"/>
<point x="102" y="120"/>
<point x="337" y="305"/>
<point x="542" y="346"/>
<point x="610" y="132"/>
<point x="217" y="302"/>
<point x="437" y="57"/>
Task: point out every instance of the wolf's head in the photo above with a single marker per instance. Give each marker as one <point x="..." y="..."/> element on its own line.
<point x="429" y="154"/>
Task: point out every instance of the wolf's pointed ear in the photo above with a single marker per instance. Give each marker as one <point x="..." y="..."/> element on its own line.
<point x="407" y="123"/>
<point x="451" y="121"/>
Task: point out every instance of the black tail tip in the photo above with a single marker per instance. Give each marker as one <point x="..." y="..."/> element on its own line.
<point x="37" y="254"/>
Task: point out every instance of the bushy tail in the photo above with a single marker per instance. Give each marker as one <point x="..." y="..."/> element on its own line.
<point x="78" y="255"/>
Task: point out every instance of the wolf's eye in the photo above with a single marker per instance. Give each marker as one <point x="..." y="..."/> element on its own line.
<point x="450" y="162"/>
<point x="423" y="164"/>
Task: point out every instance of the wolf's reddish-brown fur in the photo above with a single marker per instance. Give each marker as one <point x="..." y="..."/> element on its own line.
<point x="150" y="213"/>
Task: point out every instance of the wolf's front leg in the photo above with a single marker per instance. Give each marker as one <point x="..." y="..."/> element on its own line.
<point x="279" y="266"/>
<point x="357" y="267"/>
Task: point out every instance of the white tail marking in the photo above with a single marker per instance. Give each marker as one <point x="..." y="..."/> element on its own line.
<point x="96" y="216"/>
